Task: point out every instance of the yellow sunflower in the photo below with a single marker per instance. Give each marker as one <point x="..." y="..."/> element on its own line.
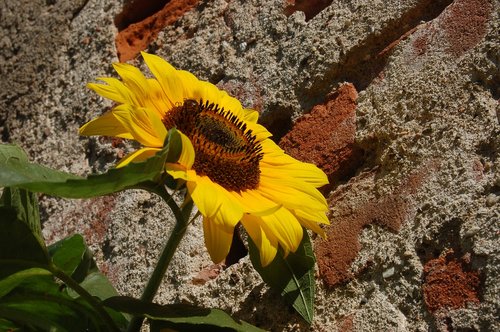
<point x="233" y="171"/>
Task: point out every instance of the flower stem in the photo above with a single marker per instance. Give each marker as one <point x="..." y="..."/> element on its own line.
<point x="95" y="303"/>
<point x="173" y="241"/>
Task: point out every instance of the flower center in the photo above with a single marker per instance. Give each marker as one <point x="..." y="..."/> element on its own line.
<point x="225" y="150"/>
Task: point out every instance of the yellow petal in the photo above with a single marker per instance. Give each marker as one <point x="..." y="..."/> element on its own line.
<point x="254" y="203"/>
<point x="276" y="162"/>
<point x="251" y="115"/>
<point x="166" y="75"/>
<point x="218" y="239"/>
<point x="107" y="91"/>
<point x="179" y="172"/>
<point x="285" y="227"/>
<point x="312" y="226"/>
<point x="187" y="156"/>
<point x="126" y="96"/>
<point x="318" y="216"/>
<point x="214" y="202"/>
<point x="292" y="194"/>
<point x="206" y="92"/>
<point x="134" y="80"/>
<point x="157" y="99"/>
<point x="106" y="125"/>
<point x="267" y="244"/>
<point x="306" y="172"/>
<point x="230" y="104"/>
<point x="137" y="156"/>
<point x="144" y="125"/>
<point x="188" y="86"/>
<point x="260" y="132"/>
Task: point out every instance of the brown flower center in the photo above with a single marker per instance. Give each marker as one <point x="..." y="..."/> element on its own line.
<point x="225" y="150"/>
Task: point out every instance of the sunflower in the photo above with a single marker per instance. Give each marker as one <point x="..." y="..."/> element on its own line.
<point x="233" y="171"/>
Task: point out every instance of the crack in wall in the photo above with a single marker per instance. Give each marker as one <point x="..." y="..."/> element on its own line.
<point x="137" y="10"/>
<point x="134" y="37"/>
<point x="364" y="62"/>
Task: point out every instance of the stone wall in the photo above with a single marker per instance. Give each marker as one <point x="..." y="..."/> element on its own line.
<point x="397" y="101"/>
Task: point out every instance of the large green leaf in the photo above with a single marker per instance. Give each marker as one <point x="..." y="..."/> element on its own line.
<point x="20" y="248"/>
<point x="6" y="325"/>
<point x="67" y="254"/>
<point x="26" y="205"/>
<point x="17" y="171"/>
<point x="39" y="302"/>
<point x="75" y="259"/>
<point x="292" y="276"/>
<point x="179" y="317"/>
<point x="32" y="297"/>
<point x="97" y="285"/>
<point x="9" y="283"/>
<point x="42" y="311"/>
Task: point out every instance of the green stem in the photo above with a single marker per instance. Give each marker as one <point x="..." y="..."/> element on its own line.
<point x="96" y="304"/>
<point x="173" y="241"/>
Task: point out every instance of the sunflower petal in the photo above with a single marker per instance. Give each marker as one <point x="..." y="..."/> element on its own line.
<point x="107" y="91"/>
<point x="297" y="170"/>
<point x="214" y="202"/>
<point x="126" y="96"/>
<point x="106" y="125"/>
<point x="266" y="243"/>
<point x="285" y="227"/>
<point x="312" y="226"/>
<point x="144" y="125"/>
<point x="134" y="80"/>
<point x="260" y="132"/>
<point x="230" y="103"/>
<point x="190" y="87"/>
<point x="254" y="203"/>
<point x="166" y="75"/>
<point x="317" y="216"/>
<point x="218" y="239"/>
<point x="291" y="194"/>
<point x="205" y="91"/>
<point x="179" y="172"/>
<point x="187" y="156"/>
<point x="137" y="156"/>
<point x="157" y="99"/>
<point x="251" y="115"/>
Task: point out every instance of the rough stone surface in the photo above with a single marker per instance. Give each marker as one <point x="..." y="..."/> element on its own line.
<point x="449" y="283"/>
<point x="136" y="36"/>
<point x="326" y="135"/>
<point x="426" y="124"/>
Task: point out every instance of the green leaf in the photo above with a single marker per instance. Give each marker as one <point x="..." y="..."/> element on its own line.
<point x="9" y="283"/>
<point x="21" y="236"/>
<point x="75" y="259"/>
<point x="67" y="254"/>
<point x="26" y="205"/>
<point x="42" y="311"/>
<point x="24" y="319"/>
<point x="292" y="276"/>
<point x="87" y="265"/>
<point x="97" y="285"/>
<point x="174" y="143"/>
<point x="6" y="325"/>
<point x="17" y="171"/>
<point x="44" y="299"/>
<point x="20" y="248"/>
<point x="179" y="316"/>
<point x="38" y="302"/>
